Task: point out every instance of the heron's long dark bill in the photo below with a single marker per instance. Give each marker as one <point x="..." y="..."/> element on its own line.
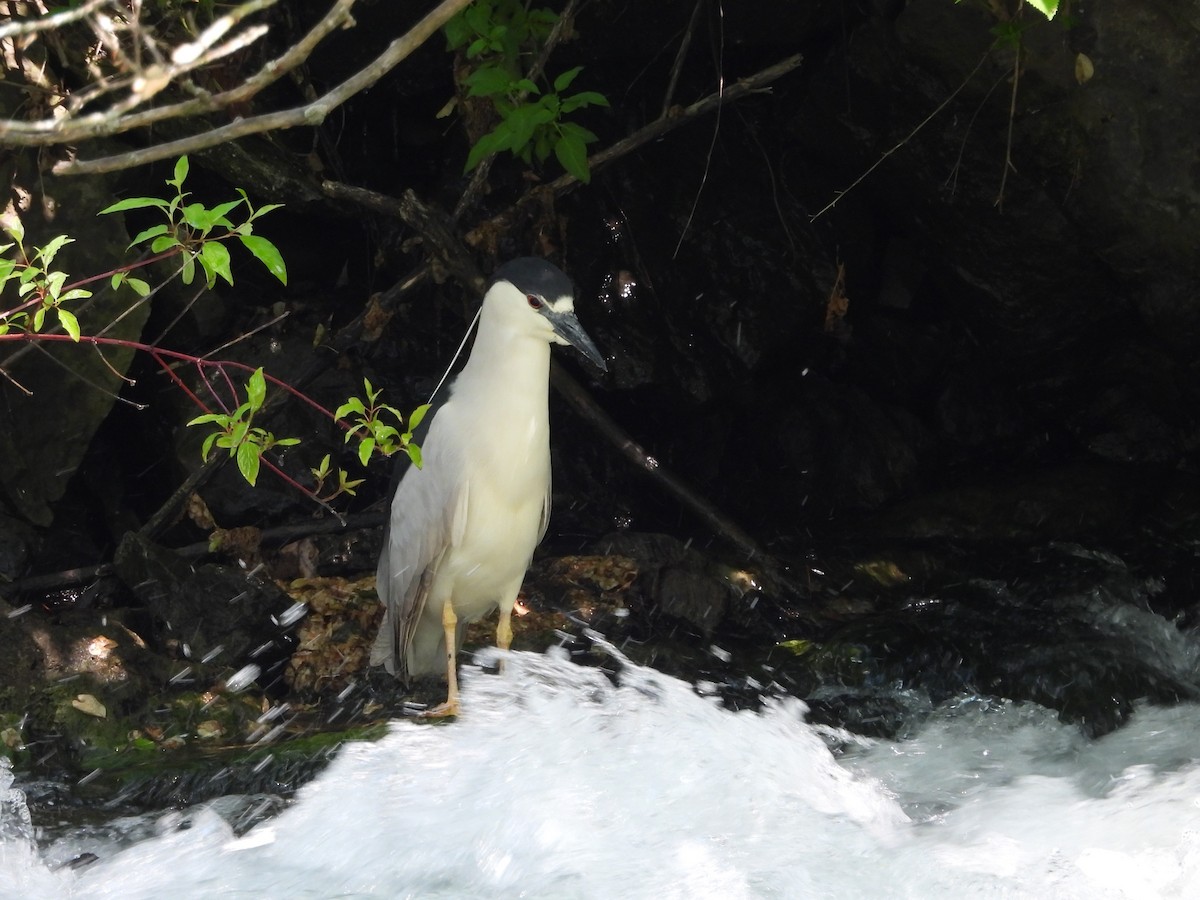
<point x="566" y="326"/>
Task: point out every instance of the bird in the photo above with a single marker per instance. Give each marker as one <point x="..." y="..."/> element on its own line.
<point x="463" y="526"/>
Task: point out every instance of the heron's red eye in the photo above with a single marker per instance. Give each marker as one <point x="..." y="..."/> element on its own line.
<point x="535" y="302"/>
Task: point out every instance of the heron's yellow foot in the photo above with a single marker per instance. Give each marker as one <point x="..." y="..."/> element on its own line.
<point x="441" y="711"/>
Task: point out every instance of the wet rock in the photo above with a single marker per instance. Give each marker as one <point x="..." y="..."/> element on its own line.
<point x="199" y="610"/>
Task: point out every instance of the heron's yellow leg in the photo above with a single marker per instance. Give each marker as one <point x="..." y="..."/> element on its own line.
<point x="450" y="625"/>
<point x="504" y="629"/>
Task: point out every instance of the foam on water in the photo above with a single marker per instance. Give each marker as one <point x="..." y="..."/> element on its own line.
<point x="555" y="783"/>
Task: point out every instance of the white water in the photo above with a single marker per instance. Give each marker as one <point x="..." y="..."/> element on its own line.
<point x="555" y="784"/>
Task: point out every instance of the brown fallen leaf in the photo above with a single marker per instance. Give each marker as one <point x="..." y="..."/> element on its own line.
<point x="90" y="706"/>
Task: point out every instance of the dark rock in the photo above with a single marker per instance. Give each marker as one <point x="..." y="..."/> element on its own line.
<point x="198" y="610"/>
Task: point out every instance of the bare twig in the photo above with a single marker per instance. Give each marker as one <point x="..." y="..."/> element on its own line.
<point x="311" y="114"/>
<point x="908" y="137"/>
<point x="1012" y="117"/>
<point x="103" y="124"/>
<point x="46" y="23"/>
<point x="142" y="81"/>
<point x="680" y="56"/>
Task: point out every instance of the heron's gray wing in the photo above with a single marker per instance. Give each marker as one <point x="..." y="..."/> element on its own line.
<point x="544" y="521"/>
<point x="427" y="517"/>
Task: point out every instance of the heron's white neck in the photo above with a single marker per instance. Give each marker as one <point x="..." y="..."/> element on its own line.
<point x="507" y="362"/>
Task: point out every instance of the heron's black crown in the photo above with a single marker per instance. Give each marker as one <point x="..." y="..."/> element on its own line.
<point x="532" y="275"/>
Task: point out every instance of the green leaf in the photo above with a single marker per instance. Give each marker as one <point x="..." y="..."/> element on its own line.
<point x="571" y="151"/>
<point x="263" y="210"/>
<point x="266" y="253"/>
<point x="414" y="453"/>
<point x="152" y="232"/>
<point x="582" y="99"/>
<point x="74" y="294"/>
<point x="181" y="173"/>
<point x="133" y="203"/>
<point x="46" y="254"/>
<point x="248" y="461"/>
<point x="6" y="269"/>
<point x="69" y="323"/>
<point x="256" y="389"/>
<point x="365" y="448"/>
<point x="54" y="283"/>
<point x="206" y="447"/>
<point x="189" y="268"/>
<point x="15" y="229"/>
<point x="488" y="80"/>
<point x="285" y="442"/>
<point x="198" y="216"/>
<point x="418" y="415"/>
<point x="386" y="435"/>
<point x="209" y="417"/>
<point x="493" y="142"/>
<point x="166" y="242"/>
<point x="457" y="32"/>
<point x="563" y="81"/>
<point x="139" y="287"/>
<point x="221" y="210"/>
<point x="39" y="318"/>
<point x="214" y="256"/>
<point x="353" y="405"/>
<point x="578" y="131"/>
<point x="1046" y="7"/>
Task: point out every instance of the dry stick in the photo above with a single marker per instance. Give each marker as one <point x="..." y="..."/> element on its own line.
<point x="664" y="124"/>
<point x="1012" y="117"/>
<point x="269" y="537"/>
<point x="118" y="118"/>
<point x="56" y="20"/>
<point x="587" y="408"/>
<point x="680" y="55"/>
<point x="311" y="114"/>
<point x="929" y="118"/>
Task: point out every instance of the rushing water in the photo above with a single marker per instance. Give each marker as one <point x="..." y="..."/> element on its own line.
<point x="556" y="783"/>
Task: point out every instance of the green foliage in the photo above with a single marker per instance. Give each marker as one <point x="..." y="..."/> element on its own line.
<point x="1048" y="8"/>
<point x="371" y="423"/>
<point x="497" y="34"/>
<point x="236" y="432"/>
<point x="200" y="235"/>
<point x="41" y="288"/>
<point x="198" y="232"/>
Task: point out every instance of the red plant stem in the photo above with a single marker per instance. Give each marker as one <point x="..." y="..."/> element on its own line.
<point x="159" y="355"/>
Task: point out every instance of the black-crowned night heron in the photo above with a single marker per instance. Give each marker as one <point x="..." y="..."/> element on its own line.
<point x="463" y="527"/>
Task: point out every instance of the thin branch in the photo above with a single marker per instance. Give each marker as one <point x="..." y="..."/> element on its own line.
<point x="1012" y="118"/>
<point x="103" y="124"/>
<point x="929" y="118"/>
<point x="143" y="82"/>
<point x="680" y="56"/>
<point x="311" y="114"/>
<point x="45" y="23"/>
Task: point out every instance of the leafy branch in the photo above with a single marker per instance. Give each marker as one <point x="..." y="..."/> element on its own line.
<point x="496" y="34"/>
<point x="189" y="229"/>
<point x="198" y="234"/>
